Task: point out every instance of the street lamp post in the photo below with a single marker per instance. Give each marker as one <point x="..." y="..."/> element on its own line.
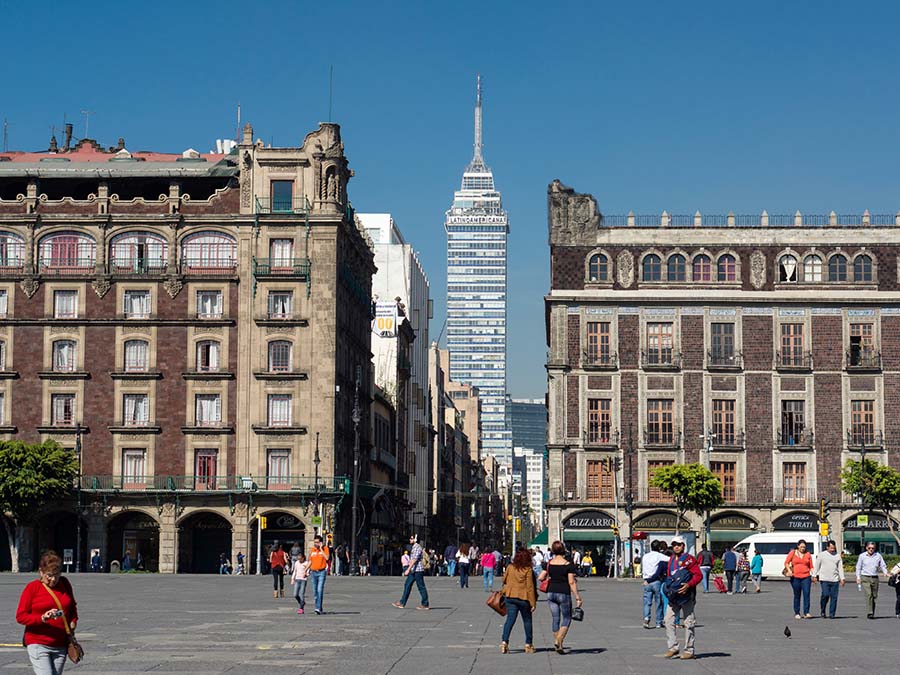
<point x="78" y="453"/>
<point x="316" y="462"/>
<point x="862" y="484"/>
<point x="355" y="416"/>
<point x="629" y="503"/>
<point x="708" y="436"/>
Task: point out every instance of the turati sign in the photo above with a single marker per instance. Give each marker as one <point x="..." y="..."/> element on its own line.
<point x="797" y="520"/>
<point x="876" y="522"/>
<point x="589" y="520"/>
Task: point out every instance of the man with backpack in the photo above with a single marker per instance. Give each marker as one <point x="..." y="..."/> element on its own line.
<point x="415" y="573"/>
<point x="729" y="564"/>
<point x="682" y="577"/>
<point x="706" y="560"/>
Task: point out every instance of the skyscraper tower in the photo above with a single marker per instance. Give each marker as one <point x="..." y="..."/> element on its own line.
<point x="477" y="229"/>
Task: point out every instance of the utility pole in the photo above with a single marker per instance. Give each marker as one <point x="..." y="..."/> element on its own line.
<point x="356" y="416"/>
<point x="87" y="119"/>
<point x="629" y="502"/>
<point x="862" y="468"/>
<point x="615" y="472"/>
<point x="708" y="437"/>
<point x="78" y="454"/>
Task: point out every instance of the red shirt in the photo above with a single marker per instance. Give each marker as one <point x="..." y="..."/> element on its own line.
<point x="35" y="601"/>
<point x="278" y="559"/>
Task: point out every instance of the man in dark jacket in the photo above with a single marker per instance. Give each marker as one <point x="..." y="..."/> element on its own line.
<point x="682" y="576"/>
<point x="450" y="557"/>
<point x="729" y="564"/>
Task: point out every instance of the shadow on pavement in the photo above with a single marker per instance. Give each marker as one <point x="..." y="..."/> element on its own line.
<point x="712" y="655"/>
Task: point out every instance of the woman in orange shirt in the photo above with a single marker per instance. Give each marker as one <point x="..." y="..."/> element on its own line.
<point x="798" y="565"/>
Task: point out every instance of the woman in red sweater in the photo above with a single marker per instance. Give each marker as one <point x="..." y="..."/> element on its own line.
<point x="45" y="634"/>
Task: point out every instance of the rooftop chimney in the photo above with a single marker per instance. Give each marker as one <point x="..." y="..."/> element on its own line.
<point x="53" y="145"/>
<point x="68" y="137"/>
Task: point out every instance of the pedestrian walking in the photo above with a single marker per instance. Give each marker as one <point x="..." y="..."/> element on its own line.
<point x="295" y="551"/>
<point x="319" y="558"/>
<point x="743" y="572"/>
<point x="682" y="578"/>
<point x="224" y="564"/>
<point x="521" y="598"/>
<point x="299" y="578"/>
<point x="363" y="564"/>
<point x="96" y="561"/>
<point x="829" y="572"/>
<point x="450" y="557"/>
<point x="415" y="573"/>
<point x="462" y="564"/>
<point x="404" y="561"/>
<point x="895" y="575"/>
<point x="799" y="565"/>
<point x="652" y="584"/>
<point x="729" y="565"/>
<point x="867" y="568"/>
<point x="657" y="578"/>
<point x="576" y="560"/>
<point x="587" y="562"/>
<point x="240" y="564"/>
<point x="560" y="589"/>
<point x="279" y="563"/>
<point x="488" y="563"/>
<point x="756" y="566"/>
<point x="706" y="560"/>
<point x="49" y="613"/>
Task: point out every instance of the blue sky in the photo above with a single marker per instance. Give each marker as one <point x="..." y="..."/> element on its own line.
<point x="675" y="106"/>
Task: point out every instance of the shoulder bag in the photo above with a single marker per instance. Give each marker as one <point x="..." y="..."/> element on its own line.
<point x="497" y="602"/>
<point x="74" y="649"/>
<point x="788" y="570"/>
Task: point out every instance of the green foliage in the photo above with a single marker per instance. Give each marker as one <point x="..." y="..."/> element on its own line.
<point x="692" y="486"/>
<point x="878" y="485"/>
<point x="850" y="562"/>
<point x="32" y="475"/>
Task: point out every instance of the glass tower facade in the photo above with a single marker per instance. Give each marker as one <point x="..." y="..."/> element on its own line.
<point x="477" y="229"/>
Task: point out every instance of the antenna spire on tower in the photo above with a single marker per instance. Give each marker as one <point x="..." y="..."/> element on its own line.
<point x="477" y="158"/>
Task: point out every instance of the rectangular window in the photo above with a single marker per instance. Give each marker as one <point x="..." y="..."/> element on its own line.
<point x="137" y="304"/>
<point x="133" y="468"/>
<point x="279" y="356"/>
<point x="4" y="300"/>
<point x="208" y="356"/>
<point x="862" y="345"/>
<point x="723" y="422"/>
<point x="599" y="482"/>
<point x="2" y="355"/>
<point x="2" y="409"/>
<point x="279" y="410"/>
<point x="792" y="344"/>
<point x="205" y="469"/>
<point x="208" y="410"/>
<point x="136" y="410"/>
<point x="793" y="479"/>
<point x="62" y="410"/>
<point x="599" y="421"/>
<point x="65" y="304"/>
<point x="660" y="421"/>
<point x="281" y="304"/>
<point x="792" y="422"/>
<point x="659" y="343"/>
<point x="654" y="494"/>
<point x="281" y="254"/>
<point x="726" y="473"/>
<point x="64" y="356"/>
<point x="136" y="356"/>
<point x="282" y="196"/>
<point x="721" y="344"/>
<point x="279" y="470"/>
<point x="598" y="352"/>
<point x="862" y="422"/>
<point x="209" y="304"/>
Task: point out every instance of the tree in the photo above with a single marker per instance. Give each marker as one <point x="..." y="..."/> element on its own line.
<point x="877" y="486"/>
<point x="692" y="486"/>
<point x="31" y="476"/>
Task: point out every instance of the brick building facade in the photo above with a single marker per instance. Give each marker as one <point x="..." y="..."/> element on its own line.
<point x="199" y="321"/>
<point x="763" y="346"/>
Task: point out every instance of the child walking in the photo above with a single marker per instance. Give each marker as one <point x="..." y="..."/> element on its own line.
<point x="300" y="576"/>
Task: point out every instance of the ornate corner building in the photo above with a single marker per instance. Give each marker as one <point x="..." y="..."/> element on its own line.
<point x="196" y="324"/>
<point x="766" y="347"/>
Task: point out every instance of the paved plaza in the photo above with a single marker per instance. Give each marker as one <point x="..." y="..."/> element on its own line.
<point x="208" y="624"/>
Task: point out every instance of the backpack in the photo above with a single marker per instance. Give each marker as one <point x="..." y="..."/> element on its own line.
<point x="675" y="580"/>
<point x="426" y="561"/>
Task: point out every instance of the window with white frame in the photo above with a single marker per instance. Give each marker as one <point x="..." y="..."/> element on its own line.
<point x="136" y="410"/>
<point x="133" y="466"/>
<point x="279" y="469"/>
<point x="137" y="354"/>
<point x="2" y="354"/>
<point x="62" y="410"/>
<point x="209" y="304"/>
<point x="812" y="269"/>
<point x="281" y="304"/>
<point x="4" y="302"/>
<point x="137" y="304"/>
<point x="208" y="410"/>
<point x="280" y="352"/>
<point x="279" y="410"/>
<point x="64" y="356"/>
<point x="281" y="253"/>
<point x="208" y="356"/>
<point x="65" y="304"/>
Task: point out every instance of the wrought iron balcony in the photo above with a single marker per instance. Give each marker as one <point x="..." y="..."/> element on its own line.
<point x="722" y="360"/>
<point x="662" y="439"/>
<point x="282" y="206"/>
<point x="729" y="441"/>
<point x="804" y="440"/>
<point x="202" y="267"/>
<point x="281" y="267"/>
<point x="599" y="360"/>
<point x="306" y="484"/>
<point x="797" y="495"/>
<point x="600" y="436"/>
<point x="67" y="267"/>
<point x="147" y="267"/>
<point x="793" y="361"/>
<point x="873" y="439"/>
<point x="660" y="360"/>
<point x="862" y="360"/>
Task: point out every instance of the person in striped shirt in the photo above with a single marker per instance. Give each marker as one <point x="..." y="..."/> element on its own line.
<point x="415" y="573"/>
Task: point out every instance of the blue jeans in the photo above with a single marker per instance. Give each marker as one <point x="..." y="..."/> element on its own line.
<point x="651" y="593"/>
<point x="801" y="586"/>
<point x="419" y="579"/>
<point x="47" y="660"/>
<point x="318" y="583"/>
<point x="704" y="570"/>
<point x="463" y="575"/>
<point x="300" y="592"/>
<point x="451" y="568"/>
<point x="489" y="580"/>
<point x="560" y="609"/>
<point x="514" y="607"/>
<point x="830" y="590"/>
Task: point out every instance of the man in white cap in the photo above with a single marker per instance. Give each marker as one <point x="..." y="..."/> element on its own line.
<point x="682" y="576"/>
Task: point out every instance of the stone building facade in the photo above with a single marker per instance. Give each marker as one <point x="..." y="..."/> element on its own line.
<point x="762" y="346"/>
<point x="200" y="321"/>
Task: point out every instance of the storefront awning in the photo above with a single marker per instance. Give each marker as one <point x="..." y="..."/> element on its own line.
<point x="729" y="535"/>
<point x="542" y="539"/>
<point x="871" y="535"/>
<point x="588" y="535"/>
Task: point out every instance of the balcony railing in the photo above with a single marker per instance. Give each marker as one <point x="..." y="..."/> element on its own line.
<point x="862" y="360"/>
<point x="793" y="361"/>
<point x="281" y="267"/>
<point x="798" y="495"/>
<point x="138" y="267"/>
<point x="663" y="439"/>
<point x="873" y="439"/>
<point x="283" y="205"/>
<point x="67" y="267"/>
<point x="306" y="484"/>
<point x="661" y="360"/>
<point x="221" y="267"/>
<point x="724" y="361"/>
<point x="600" y="435"/>
<point x="599" y="361"/>
<point x="802" y="440"/>
<point x="728" y="441"/>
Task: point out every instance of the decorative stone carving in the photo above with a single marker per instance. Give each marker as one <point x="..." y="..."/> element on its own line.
<point x="63" y="330"/>
<point x="207" y="438"/>
<point x="173" y="286"/>
<point x="101" y="286"/>
<point x="61" y="383"/>
<point x="625" y="269"/>
<point x="758" y="269"/>
<point x="139" y="330"/>
<point x="216" y="330"/>
<point x="246" y="180"/>
<point x="573" y="217"/>
<point x="29" y="286"/>
<point x="274" y="330"/>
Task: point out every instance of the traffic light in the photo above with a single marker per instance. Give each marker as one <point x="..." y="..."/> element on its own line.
<point x="607" y="464"/>
<point x="262" y="522"/>
<point x="617" y="463"/>
<point x="824" y="509"/>
<point x="518" y="524"/>
<point x="615" y="529"/>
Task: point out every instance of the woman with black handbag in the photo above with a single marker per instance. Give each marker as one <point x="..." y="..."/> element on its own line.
<point x="561" y="586"/>
<point x="521" y="598"/>
<point x="48" y="611"/>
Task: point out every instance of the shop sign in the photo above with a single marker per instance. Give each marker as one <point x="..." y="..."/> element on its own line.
<point x="660" y="521"/>
<point x="285" y="521"/>
<point x="589" y="520"/>
<point x="732" y="521"/>
<point x="873" y="522"/>
<point x="797" y="520"/>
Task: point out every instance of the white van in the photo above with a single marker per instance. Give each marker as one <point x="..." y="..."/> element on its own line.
<point x="775" y="546"/>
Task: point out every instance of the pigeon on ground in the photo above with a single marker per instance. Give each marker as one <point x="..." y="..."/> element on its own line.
<point x="787" y="632"/>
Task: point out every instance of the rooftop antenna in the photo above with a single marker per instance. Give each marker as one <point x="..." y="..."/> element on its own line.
<point x="477" y="157"/>
<point x="237" y="135"/>
<point x="87" y="118"/>
<point x="5" y="135"/>
<point x="330" y="90"/>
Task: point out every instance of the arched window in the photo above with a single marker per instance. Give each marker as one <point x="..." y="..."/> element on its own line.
<point x="812" y="269"/>
<point x="787" y="268"/>
<point x="837" y="268"/>
<point x="702" y="268"/>
<point x="652" y="270"/>
<point x="137" y="356"/>
<point x="598" y="268"/>
<point x="862" y="268"/>
<point x="12" y="252"/>
<point x="208" y="356"/>
<point x="727" y="268"/>
<point x="208" y="252"/>
<point x="64" y="356"/>
<point x="280" y="356"/>
<point x="139" y="253"/>
<point x="67" y="253"/>
<point x="675" y="268"/>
